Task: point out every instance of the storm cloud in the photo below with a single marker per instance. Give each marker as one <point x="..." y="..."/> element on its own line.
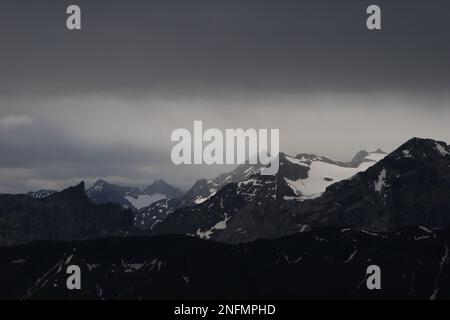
<point x="102" y="102"/>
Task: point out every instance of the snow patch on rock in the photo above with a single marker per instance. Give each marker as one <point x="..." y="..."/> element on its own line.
<point x="221" y="225"/>
<point x="406" y="154"/>
<point x="381" y="182"/>
<point x="442" y="149"/>
<point x="144" y="200"/>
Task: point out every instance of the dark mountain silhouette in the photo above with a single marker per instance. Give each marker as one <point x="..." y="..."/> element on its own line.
<point x="324" y="263"/>
<point x="66" y="215"/>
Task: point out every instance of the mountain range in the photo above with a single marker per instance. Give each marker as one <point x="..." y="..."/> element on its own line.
<point x="308" y="231"/>
<point x="250" y="206"/>
<point x="152" y="216"/>
<point x="410" y="186"/>
<point x="374" y="191"/>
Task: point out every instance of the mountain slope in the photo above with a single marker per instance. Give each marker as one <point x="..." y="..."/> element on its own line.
<point x="152" y="215"/>
<point x="203" y="189"/>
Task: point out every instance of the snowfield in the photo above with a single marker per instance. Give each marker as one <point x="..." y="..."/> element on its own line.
<point x="144" y="200"/>
<point x="323" y="174"/>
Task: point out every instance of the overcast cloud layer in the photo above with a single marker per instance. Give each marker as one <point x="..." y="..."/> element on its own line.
<point x="102" y="103"/>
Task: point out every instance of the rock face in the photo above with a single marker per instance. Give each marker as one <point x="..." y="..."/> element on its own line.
<point x="67" y="215"/>
<point x="323" y="263"/>
<point x="203" y="189"/>
<point x="150" y="216"/>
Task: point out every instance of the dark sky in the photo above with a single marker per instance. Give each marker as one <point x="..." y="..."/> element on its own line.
<point x="102" y="102"/>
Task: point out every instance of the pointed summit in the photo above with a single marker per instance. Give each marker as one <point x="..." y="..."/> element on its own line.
<point x="424" y="149"/>
<point x="78" y="189"/>
<point x="76" y="193"/>
<point x="159" y="183"/>
<point x="364" y="156"/>
<point x="160" y="186"/>
<point x="359" y="158"/>
<point x="100" y="183"/>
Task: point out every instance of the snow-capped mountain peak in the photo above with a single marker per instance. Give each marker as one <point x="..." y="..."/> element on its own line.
<point x="308" y="175"/>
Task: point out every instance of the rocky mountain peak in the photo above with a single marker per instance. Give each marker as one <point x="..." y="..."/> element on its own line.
<point x="421" y="150"/>
<point x="72" y="193"/>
